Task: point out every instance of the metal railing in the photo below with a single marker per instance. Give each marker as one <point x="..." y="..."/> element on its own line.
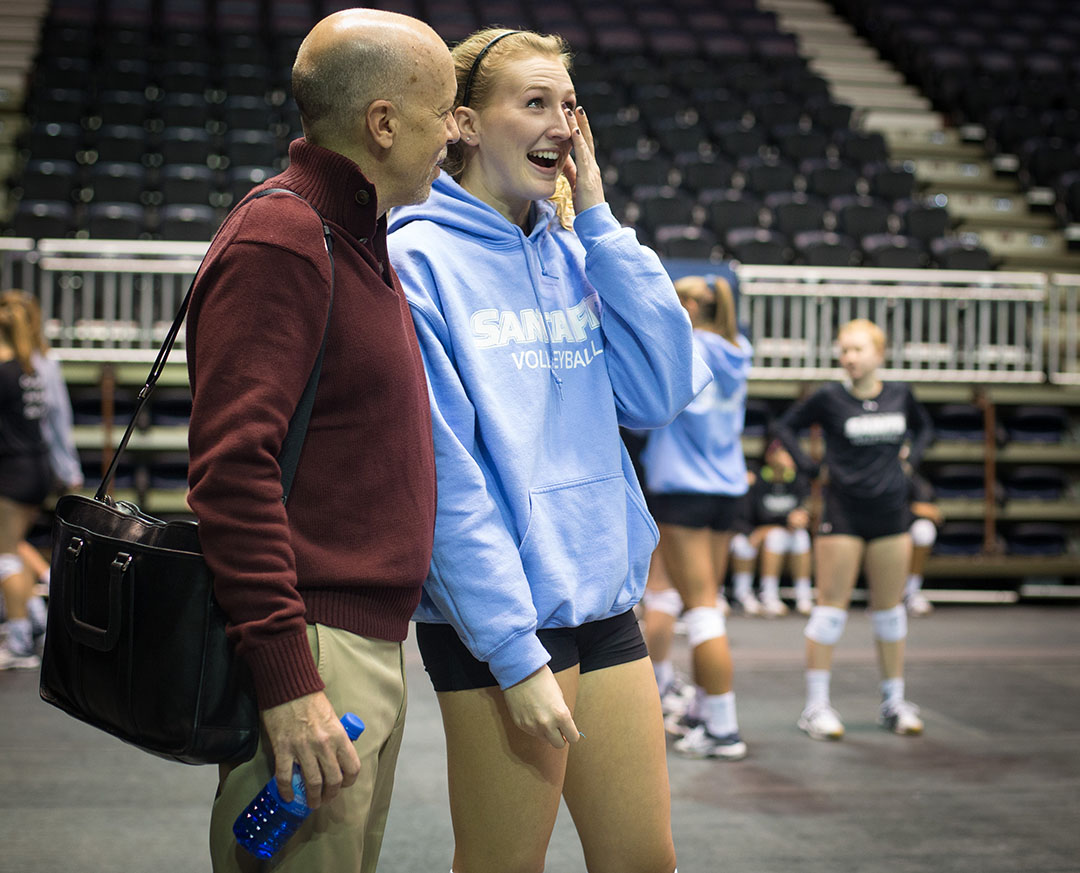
<point x="106" y="300"/>
<point x="941" y="325"/>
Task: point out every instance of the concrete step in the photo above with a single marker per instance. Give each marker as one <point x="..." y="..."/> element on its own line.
<point x="855" y="72"/>
<point x="880" y="97"/>
<point x="1010" y="241"/>
<point x="987" y="211"/>
<point x="941" y="142"/>
<point x="812" y="48"/>
<point x="962" y="175"/>
<point x="910" y="121"/>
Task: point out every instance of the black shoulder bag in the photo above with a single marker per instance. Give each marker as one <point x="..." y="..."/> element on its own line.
<point x="135" y="644"/>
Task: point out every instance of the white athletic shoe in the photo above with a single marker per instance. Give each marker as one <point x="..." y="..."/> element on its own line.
<point x="900" y="718"/>
<point x="680" y="725"/>
<point x="750" y="604"/>
<point x="918" y="605"/>
<point x="821" y="722"/>
<point x="803" y="605"/>
<point x="677" y="697"/>
<point x="10" y="660"/>
<point x="699" y="743"/>
<point x="773" y="607"/>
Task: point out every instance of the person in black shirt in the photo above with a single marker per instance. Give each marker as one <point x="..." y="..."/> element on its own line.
<point x="776" y="511"/>
<point x="25" y="476"/>
<point x="875" y="432"/>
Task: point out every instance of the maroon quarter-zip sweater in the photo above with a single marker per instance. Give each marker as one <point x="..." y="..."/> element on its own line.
<point x="352" y="547"/>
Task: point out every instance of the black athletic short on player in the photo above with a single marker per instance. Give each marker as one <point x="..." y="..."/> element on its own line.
<point x="593" y="646"/>
<point x="714" y="511"/>
<point x="861" y="518"/>
<point x="25" y="479"/>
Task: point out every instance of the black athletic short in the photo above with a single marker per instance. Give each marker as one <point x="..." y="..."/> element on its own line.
<point x="26" y="479"/>
<point x="593" y="646"/>
<point x="861" y="518"/>
<point x="714" y="511"/>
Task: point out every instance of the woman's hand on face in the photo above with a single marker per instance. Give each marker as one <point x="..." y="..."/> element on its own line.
<point x="537" y="706"/>
<point x="582" y="171"/>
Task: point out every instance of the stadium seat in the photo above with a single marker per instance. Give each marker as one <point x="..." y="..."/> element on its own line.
<point x="49" y="180"/>
<point x="756" y="245"/>
<point x="1038" y="424"/>
<point x="950" y="253"/>
<point x="115" y="220"/>
<point x="958" y="421"/>
<point x="44" y="219"/>
<point x="188" y="222"/>
<point x="117" y="181"/>
<point x="1035" y="482"/>
<point x="825" y="248"/>
<point x="922" y="220"/>
<point x="828" y="177"/>
<point x="892" y="251"/>
<point x="726" y="209"/>
<point x="764" y="174"/>
<point x="889" y="180"/>
<point x="858" y="216"/>
<point x="700" y="172"/>
<point x="187" y="183"/>
<point x="686" y="241"/>
<point x="1036" y="538"/>
<point x="794" y="212"/>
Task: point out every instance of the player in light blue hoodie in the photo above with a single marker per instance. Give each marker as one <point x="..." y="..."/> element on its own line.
<point x="541" y="334"/>
<point x="695" y="473"/>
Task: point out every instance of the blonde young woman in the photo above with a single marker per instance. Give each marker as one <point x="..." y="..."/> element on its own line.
<point x="875" y="433"/>
<point x="25" y="475"/>
<point x="695" y="473"/>
<point x="544" y="327"/>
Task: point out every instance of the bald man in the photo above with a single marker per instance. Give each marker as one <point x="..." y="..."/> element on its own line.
<point x="319" y="593"/>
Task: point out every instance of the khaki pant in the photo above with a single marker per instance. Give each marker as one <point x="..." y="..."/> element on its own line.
<point x="363" y="676"/>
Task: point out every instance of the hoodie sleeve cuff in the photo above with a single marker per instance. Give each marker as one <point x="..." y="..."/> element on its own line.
<point x="284" y="671"/>
<point x="595" y="223"/>
<point x="518" y="659"/>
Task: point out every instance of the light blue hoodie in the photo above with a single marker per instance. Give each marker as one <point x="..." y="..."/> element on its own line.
<point x="700" y="452"/>
<point x="536" y="348"/>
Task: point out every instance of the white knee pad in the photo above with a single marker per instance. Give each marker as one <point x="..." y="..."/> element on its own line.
<point x="741" y="547"/>
<point x="10" y="565"/>
<point x="778" y="541"/>
<point x="826" y="625"/>
<point x="800" y="541"/>
<point x="666" y="601"/>
<point x="923" y="532"/>
<point x="704" y="623"/>
<point x="890" y="625"/>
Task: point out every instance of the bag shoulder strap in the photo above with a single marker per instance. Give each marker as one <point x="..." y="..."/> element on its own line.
<point x="293" y="443"/>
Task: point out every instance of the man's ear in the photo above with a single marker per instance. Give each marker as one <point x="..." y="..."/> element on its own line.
<point x="382" y="122"/>
<point x="468" y="124"/>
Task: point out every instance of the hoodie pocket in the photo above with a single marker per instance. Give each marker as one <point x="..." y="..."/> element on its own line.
<point x="583" y="539"/>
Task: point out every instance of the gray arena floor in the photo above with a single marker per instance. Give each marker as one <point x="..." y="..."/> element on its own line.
<point x="992" y="787"/>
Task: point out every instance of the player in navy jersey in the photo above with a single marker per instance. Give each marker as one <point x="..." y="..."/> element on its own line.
<point x="777" y="519"/>
<point x="875" y="433"/>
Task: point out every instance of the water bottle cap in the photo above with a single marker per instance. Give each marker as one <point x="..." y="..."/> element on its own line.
<point x="353" y="725"/>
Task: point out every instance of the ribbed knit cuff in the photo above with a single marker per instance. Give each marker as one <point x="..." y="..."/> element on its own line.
<point x="284" y="671"/>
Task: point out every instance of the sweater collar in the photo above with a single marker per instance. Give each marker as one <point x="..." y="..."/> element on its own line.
<point x="335" y="186"/>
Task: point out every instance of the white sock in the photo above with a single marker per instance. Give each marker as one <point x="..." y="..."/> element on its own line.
<point x="20" y="639"/>
<point x="697" y="706"/>
<point x="913" y="586"/>
<point x="817" y="687"/>
<point x="744" y="582"/>
<point x="720" y="714"/>
<point x="802" y="588"/>
<point x="770" y="587"/>
<point x="892" y="690"/>
<point x="664" y="672"/>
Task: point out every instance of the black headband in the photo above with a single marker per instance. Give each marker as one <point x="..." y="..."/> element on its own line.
<point x="476" y="64"/>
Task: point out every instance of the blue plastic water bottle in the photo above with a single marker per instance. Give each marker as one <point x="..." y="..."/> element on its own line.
<point x="268" y="822"/>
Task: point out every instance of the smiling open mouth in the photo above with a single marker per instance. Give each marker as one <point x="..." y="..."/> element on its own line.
<point x="545" y="159"/>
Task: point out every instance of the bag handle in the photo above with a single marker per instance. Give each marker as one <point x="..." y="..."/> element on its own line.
<point x="293" y="443"/>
